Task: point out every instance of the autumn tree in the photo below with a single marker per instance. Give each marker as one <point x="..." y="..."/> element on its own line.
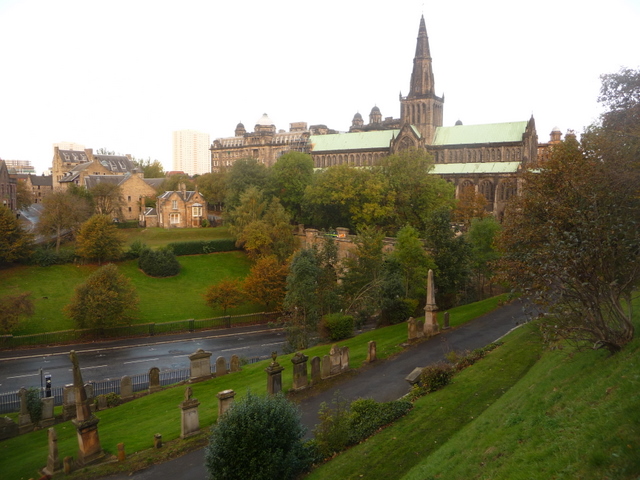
<point x="105" y="300"/>
<point x="62" y="214"/>
<point x="15" y="243"/>
<point x="24" y="196"/>
<point x="13" y="308"/>
<point x="225" y="294"/>
<point x="213" y="187"/>
<point x="469" y="206"/>
<point x="266" y="282"/>
<point x="98" y="239"/>
<point x="107" y="199"/>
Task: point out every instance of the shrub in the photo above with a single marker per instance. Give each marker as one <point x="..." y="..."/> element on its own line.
<point x="159" y="263"/>
<point x="436" y="376"/>
<point x="136" y="249"/>
<point x="258" y="438"/>
<point x="34" y="405"/>
<point x="46" y="257"/>
<point x="337" y="326"/>
<point x="203" y="246"/>
<point x="332" y="433"/>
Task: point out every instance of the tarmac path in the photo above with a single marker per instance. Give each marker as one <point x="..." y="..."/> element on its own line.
<point x="383" y="381"/>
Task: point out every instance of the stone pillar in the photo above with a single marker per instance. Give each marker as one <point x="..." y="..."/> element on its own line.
<point x="8" y="428"/>
<point x="154" y="379"/>
<point x="235" y="363"/>
<point x="121" y="453"/>
<point x="431" y="309"/>
<point x="335" y="356"/>
<point x="225" y="401"/>
<point x="372" y="354"/>
<point x="54" y="464"/>
<point x="68" y="402"/>
<point x="412" y="332"/>
<point x="325" y="370"/>
<point x="24" y="419"/>
<point x="221" y="366"/>
<point x="190" y="422"/>
<point x="67" y="465"/>
<point x="446" y="321"/>
<point x="344" y="359"/>
<point x="315" y="370"/>
<point x="157" y="441"/>
<point x="48" y="418"/>
<point x="200" y="365"/>
<point x="274" y="375"/>
<point x="300" y="379"/>
<point x="126" y="388"/>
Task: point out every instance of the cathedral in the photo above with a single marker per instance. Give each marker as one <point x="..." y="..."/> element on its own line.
<point x="485" y="157"/>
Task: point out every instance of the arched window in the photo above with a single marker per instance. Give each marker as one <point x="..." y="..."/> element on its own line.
<point x="486" y="189"/>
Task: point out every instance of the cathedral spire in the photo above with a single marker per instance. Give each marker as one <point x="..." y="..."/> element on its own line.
<point x="422" y="76"/>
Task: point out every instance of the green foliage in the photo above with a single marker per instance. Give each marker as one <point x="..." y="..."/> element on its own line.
<point x="159" y="263"/>
<point x="24" y="196"/>
<point x="13" y="308"/>
<point x="290" y="176"/>
<point x="338" y="326"/>
<point x="258" y="438"/>
<point x="226" y="294"/>
<point x="99" y="239"/>
<point x="106" y="299"/>
<point x="394" y="306"/>
<point x="45" y="257"/>
<point x="136" y="248"/>
<point x="150" y="169"/>
<point x="414" y="261"/>
<point x="107" y="199"/>
<point x="481" y="236"/>
<point x="368" y="416"/>
<point x="15" y="243"/>
<point x="63" y="213"/>
<point x="112" y="399"/>
<point x="34" y="405"/>
<point x="203" y="246"/>
<point x="212" y="186"/>
<point x="433" y="378"/>
<point x="244" y="173"/>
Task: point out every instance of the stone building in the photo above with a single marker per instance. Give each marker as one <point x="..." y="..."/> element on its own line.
<point x="7" y="188"/>
<point x="179" y="209"/>
<point x="134" y="189"/>
<point x="39" y="185"/>
<point x="71" y="166"/>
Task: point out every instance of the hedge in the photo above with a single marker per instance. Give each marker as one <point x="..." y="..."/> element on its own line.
<point x="203" y="246"/>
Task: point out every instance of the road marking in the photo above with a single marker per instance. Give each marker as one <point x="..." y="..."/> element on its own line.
<point x="140" y="361"/>
<point x="267" y="344"/>
<point x="89" y="368"/>
<point x="23" y="376"/>
<point x="232" y="349"/>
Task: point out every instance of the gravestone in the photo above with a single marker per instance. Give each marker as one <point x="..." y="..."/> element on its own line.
<point x="235" y="363"/>
<point x="344" y="359"/>
<point x="335" y="356"/>
<point x="300" y="379"/>
<point x="200" y="366"/>
<point x="157" y="441"/>
<point x="8" y="428"/>
<point x="48" y="418"/>
<point x="54" y="464"/>
<point x="24" y="419"/>
<point x="325" y="369"/>
<point x="126" y="388"/>
<point x="315" y="370"/>
<point x="446" y="321"/>
<point x="372" y="354"/>
<point x="414" y="376"/>
<point x="221" y="367"/>
<point x="154" y="379"/>
<point x="190" y="422"/>
<point x="431" y="326"/>
<point x="225" y="401"/>
<point x="412" y="329"/>
<point x="274" y="375"/>
<point x="68" y="402"/>
<point x="67" y="465"/>
<point x="102" y="402"/>
<point x="121" y="453"/>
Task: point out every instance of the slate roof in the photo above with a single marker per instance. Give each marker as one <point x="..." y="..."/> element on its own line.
<point x="352" y="141"/>
<point x="73" y="156"/>
<point x="471" y="168"/>
<point x="479" y="134"/>
<point x="116" y="163"/>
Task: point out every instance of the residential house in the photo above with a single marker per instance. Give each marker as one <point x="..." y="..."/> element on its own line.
<point x="180" y="209"/>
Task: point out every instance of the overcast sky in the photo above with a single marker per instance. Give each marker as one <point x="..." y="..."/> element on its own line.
<point x="124" y="74"/>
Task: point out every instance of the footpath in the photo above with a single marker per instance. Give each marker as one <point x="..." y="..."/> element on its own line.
<point x="382" y="381"/>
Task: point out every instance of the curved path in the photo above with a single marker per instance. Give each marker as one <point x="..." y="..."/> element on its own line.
<point x="383" y="381"/>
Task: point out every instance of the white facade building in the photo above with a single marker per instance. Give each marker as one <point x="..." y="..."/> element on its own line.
<point x="191" y="153"/>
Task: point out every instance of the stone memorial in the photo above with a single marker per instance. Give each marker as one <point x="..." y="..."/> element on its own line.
<point x="446" y="321"/>
<point x="122" y="456"/>
<point x="126" y="388"/>
<point x="414" y="376"/>
<point x="24" y="419"/>
<point x="67" y="465"/>
<point x="200" y="366"/>
<point x="344" y="359"/>
<point x="431" y="309"/>
<point x="190" y="422"/>
<point x="221" y="367"/>
<point x="300" y="378"/>
<point x="225" y="401"/>
<point x="8" y="428"/>
<point x="335" y="356"/>
<point x="325" y="370"/>
<point x="157" y="441"/>
<point x="372" y="354"/>
<point x="235" y="363"/>
<point x="412" y="329"/>
<point x="154" y="379"/>
<point x="274" y="375"/>
<point x="89" y="449"/>
<point x="54" y="464"/>
<point x="48" y="419"/>
<point x="68" y="402"/>
<point x="315" y="370"/>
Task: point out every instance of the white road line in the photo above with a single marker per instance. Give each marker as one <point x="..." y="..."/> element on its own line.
<point x="88" y="368"/>
<point x="267" y="344"/>
<point x="23" y="376"/>
<point x="140" y="361"/>
<point x="232" y="349"/>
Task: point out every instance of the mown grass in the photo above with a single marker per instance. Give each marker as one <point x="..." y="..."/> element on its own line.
<point x="161" y="299"/>
<point x="135" y="422"/>
<point x="159" y="237"/>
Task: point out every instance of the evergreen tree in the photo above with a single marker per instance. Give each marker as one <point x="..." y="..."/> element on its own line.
<point x="15" y="243"/>
<point x="99" y="239"/>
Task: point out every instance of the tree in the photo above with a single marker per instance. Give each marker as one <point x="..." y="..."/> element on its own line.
<point x="290" y="176"/>
<point x="150" y="169"/>
<point x="414" y="262"/>
<point x="158" y="263"/>
<point x="106" y="299"/>
<point x="213" y="186"/>
<point x="226" y="294"/>
<point x="62" y="214"/>
<point x="13" y="308"/>
<point x="571" y="241"/>
<point x="244" y="173"/>
<point x="481" y="237"/>
<point x="99" y="239"/>
<point x="24" y="196"/>
<point x="15" y="243"/>
<point x="107" y="199"/>
<point x="259" y="438"/>
<point x="173" y="182"/>
<point x="470" y="205"/>
<point x="266" y="282"/>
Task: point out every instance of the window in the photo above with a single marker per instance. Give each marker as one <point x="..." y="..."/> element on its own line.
<point x="174" y="218"/>
<point x="129" y="198"/>
<point x="197" y="211"/>
<point x="174" y="204"/>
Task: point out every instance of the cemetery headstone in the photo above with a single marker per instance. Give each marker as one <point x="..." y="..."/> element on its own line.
<point x="190" y="422"/>
<point x="154" y="379"/>
<point x="126" y="388"/>
<point x="200" y="366"/>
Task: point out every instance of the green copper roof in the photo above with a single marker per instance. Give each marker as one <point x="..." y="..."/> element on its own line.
<point x="488" y="133"/>
<point x="352" y="141"/>
<point x="471" y="168"/>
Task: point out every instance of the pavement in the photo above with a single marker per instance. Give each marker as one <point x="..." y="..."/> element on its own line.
<point x="382" y="381"/>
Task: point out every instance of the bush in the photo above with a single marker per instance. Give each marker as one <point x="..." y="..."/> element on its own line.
<point x="45" y="257"/>
<point x="203" y="246"/>
<point x="34" y="405"/>
<point x="259" y="438"/>
<point x="337" y="326"/>
<point x="159" y="263"/>
<point x="135" y="249"/>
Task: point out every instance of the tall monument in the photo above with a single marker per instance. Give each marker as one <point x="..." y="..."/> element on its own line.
<point x="431" y="309"/>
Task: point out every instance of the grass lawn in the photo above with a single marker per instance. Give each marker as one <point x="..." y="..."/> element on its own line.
<point x="161" y="299"/>
<point x="135" y="422"/>
<point x="159" y="237"/>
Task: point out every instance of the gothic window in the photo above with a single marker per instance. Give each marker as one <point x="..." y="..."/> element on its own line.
<point x="499" y="155"/>
<point x="507" y="154"/>
<point x="506" y="190"/>
<point x="486" y="189"/>
<point x="466" y="184"/>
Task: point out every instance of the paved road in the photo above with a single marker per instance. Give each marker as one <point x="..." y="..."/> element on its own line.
<point x="114" y="359"/>
<point x="382" y="381"/>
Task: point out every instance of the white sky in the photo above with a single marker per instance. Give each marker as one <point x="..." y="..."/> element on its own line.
<point x="123" y="74"/>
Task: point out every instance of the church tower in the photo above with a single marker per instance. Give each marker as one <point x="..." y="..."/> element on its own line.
<point x="422" y="108"/>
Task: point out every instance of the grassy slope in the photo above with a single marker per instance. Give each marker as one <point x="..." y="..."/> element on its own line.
<point x="21" y="456"/>
<point x="158" y="237"/>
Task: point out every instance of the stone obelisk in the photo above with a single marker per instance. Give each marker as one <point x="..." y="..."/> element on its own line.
<point x="430" y="309"/>
<point x="86" y="423"/>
